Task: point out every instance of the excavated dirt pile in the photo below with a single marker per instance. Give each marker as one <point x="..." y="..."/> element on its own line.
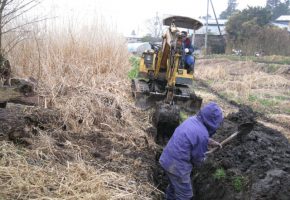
<point x="256" y="167"/>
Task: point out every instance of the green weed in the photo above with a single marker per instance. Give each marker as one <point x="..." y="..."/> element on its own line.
<point x="239" y="183"/>
<point x="279" y="60"/>
<point x="219" y="174"/>
<point x="134" y="61"/>
<point x="282" y="98"/>
<point x="252" y="98"/>
<point x="209" y="82"/>
<point x="183" y="116"/>
<point x="263" y="101"/>
<point x="272" y="68"/>
<point x="268" y="102"/>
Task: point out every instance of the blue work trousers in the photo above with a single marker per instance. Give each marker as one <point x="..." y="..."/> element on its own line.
<point x="179" y="188"/>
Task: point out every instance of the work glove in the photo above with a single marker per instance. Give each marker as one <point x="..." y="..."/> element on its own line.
<point x="215" y="143"/>
<point x="219" y="145"/>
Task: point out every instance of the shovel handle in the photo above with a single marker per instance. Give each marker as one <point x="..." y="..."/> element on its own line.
<point x="223" y="142"/>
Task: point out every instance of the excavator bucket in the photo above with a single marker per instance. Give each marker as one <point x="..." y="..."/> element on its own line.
<point x="166" y="118"/>
<point x="190" y="103"/>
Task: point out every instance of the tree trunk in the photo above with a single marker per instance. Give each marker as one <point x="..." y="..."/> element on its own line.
<point x="2" y="7"/>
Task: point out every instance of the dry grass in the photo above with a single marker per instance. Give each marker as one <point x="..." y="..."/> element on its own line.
<point x="264" y="87"/>
<point x="83" y="74"/>
<point x="247" y="83"/>
<point x="25" y="179"/>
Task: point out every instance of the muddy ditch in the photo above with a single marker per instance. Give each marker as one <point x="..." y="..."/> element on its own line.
<point x="256" y="167"/>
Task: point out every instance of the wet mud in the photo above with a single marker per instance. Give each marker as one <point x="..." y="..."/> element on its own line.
<point x="256" y="167"/>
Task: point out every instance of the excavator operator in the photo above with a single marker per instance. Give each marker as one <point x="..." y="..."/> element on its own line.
<point x="187" y="57"/>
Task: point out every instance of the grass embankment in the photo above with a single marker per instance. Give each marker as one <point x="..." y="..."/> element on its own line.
<point x="82" y="74"/>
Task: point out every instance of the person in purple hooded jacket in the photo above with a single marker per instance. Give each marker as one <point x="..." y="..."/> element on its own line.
<point x="187" y="147"/>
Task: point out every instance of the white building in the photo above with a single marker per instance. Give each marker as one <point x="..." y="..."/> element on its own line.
<point x="283" y="22"/>
<point x="213" y="27"/>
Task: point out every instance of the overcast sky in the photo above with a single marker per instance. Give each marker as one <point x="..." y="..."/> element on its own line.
<point x="128" y="15"/>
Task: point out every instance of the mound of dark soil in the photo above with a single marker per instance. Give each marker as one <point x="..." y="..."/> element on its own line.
<point x="258" y="167"/>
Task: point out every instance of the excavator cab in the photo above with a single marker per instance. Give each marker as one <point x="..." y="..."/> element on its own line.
<point x="162" y="79"/>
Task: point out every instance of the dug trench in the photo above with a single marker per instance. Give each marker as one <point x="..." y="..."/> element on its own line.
<point x="256" y="166"/>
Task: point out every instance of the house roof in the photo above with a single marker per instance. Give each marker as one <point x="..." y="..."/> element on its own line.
<point x="221" y="22"/>
<point x="283" y="18"/>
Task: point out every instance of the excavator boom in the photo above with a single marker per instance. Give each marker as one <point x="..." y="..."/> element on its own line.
<point x="163" y="81"/>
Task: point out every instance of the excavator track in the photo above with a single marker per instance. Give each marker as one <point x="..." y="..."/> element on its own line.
<point x="141" y="94"/>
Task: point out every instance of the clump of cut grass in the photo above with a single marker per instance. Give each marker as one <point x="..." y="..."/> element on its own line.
<point x="31" y="176"/>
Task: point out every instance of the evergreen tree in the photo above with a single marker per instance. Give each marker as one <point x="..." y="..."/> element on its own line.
<point x="272" y="3"/>
<point x="246" y="24"/>
<point x="232" y="5"/>
<point x="278" y="8"/>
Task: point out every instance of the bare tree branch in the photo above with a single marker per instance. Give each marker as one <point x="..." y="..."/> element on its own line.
<point x="11" y="10"/>
<point x="14" y="17"/>
<point x="25" y="24"/>
<point x="14" y="43"/>
<point x="21" y="7"/>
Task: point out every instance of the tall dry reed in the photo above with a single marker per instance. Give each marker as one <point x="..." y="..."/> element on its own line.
<point x="81" y="73"/>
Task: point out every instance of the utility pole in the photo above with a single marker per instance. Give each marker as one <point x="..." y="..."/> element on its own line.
<point x="215" y="17"/>
<point x="206" y="30"/>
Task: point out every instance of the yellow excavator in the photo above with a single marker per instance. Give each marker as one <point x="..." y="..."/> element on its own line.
<point x="163" y="80"/>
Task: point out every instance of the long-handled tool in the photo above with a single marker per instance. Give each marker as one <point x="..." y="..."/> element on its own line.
<point x="243" y="129"/>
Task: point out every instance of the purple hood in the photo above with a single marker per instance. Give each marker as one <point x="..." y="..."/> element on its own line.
<point x="211" y="116"/>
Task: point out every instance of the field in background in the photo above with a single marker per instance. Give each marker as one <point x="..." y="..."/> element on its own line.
<point x="274" y="59"/>
<point x="81" y="74"/>
<point x="263" y="86"/>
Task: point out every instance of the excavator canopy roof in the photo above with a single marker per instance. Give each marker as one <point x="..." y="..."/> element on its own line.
<point x="183" y="22"/>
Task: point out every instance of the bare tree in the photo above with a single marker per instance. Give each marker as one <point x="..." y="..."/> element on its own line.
<point x="154" y="26"/>
<point x="11" y="11"/>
